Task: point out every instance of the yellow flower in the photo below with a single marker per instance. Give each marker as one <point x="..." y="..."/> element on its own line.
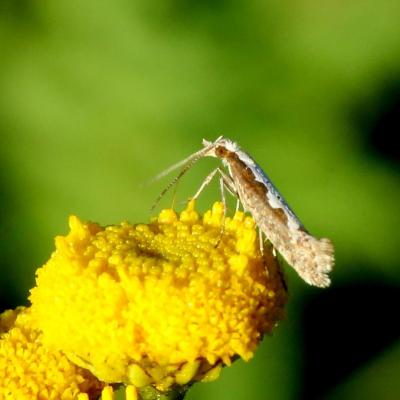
<point x="30" y="371"/>
<point x="163" y="303"/>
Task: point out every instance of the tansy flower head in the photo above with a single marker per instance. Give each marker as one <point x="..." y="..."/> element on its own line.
<point x="30" y="371"/>
<point x="164" y="303"/>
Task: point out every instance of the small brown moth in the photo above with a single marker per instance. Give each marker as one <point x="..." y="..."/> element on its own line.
<point x="312" y="258"/>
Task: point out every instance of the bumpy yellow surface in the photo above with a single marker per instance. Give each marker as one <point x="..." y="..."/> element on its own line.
<point x="162" y="303"/>
<point x="29" y="371"/>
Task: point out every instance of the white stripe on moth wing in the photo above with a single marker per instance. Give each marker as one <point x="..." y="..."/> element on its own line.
<point x="274" y="197"/>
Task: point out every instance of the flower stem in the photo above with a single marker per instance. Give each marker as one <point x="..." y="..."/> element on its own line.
<point x="151" y="393"/>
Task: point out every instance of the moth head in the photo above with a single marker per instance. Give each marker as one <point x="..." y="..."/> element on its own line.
<point x="220" y="147"/>
<point x="207" y="143"/>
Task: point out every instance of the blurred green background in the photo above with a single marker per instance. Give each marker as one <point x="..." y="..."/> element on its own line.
<point x="98" y="97"/>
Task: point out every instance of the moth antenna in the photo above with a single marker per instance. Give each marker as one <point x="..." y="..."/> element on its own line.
<point x="195" y="156"/>
<point x="172" y="168"/>
<point x="175" y="180"/>
<point x="187" y="163"/>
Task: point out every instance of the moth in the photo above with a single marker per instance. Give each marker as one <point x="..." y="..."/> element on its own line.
<point x="312" y="258"/>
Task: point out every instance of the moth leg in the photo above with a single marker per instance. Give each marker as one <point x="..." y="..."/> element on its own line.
<point x="206" y="181"/>
<point x="225" y="181"/>
<point x="237" y="205"/>
<point x="260" y="237"/>
<point x="230" y="186"/>
<point x="186" y="164"/>
<point x="174" y="194"/>
<point x="173" y="183"/>
<point x="229" y="183"/>
<point x="222" y="185"/>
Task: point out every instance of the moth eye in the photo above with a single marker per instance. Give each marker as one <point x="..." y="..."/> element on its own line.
<point x="219" y="151"/>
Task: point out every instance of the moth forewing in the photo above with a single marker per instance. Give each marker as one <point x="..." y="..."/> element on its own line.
<point x="312" y="258"/>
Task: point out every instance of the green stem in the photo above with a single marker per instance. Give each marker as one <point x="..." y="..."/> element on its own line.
<point x="151" y="393"/>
